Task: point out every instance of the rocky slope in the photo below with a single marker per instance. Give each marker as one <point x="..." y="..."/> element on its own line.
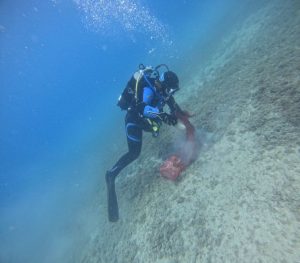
<point x="240" y="201"/>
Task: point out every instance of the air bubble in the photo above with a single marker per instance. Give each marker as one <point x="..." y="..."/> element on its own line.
<point x="109" y="17"/>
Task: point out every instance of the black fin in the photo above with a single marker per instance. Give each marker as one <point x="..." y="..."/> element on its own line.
<point x="112" y="201"/>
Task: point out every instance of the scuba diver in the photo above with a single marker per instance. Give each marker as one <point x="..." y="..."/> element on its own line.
<point x="144" y="97"/>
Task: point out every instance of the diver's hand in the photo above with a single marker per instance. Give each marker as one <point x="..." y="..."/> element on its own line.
<point x="169" y="119"/>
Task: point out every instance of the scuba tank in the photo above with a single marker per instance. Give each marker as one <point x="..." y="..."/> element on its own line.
<point x="131" y="94"/>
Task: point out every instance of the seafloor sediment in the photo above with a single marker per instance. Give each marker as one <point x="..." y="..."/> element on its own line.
<point x="240" y="200"/>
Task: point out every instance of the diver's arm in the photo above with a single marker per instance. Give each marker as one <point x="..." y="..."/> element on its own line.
<point x="150" y="112"/>
<point x="147" y="110"/>
<point x="174" y="107"/>
<point x="154" y="112"/>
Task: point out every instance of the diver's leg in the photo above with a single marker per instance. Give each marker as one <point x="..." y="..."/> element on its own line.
<point x="134" y="150"/>
<point x="134" y="140"/>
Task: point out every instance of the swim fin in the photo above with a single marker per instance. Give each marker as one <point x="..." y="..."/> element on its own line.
<point x="112" y="201"/>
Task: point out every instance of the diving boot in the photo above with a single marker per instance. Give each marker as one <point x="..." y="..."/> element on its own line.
<point x="112" y="201"/>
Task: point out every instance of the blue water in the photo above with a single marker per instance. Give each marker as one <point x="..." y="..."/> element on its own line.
<point x="63" y="65"/>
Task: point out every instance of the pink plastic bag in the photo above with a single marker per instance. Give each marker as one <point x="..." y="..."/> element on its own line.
<point x="171" y="168"/>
